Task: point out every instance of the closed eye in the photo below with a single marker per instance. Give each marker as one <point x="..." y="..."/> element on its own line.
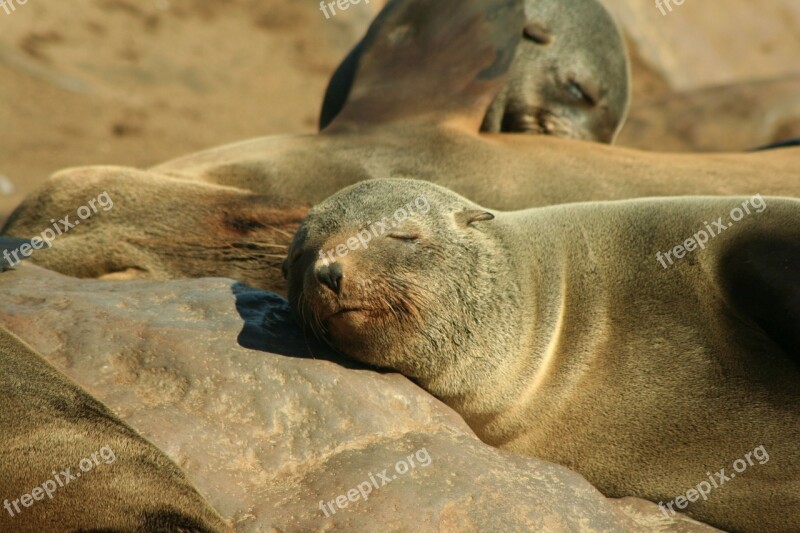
<point x="580" y="93"/>
<point x="400" y="236"/>
<point x="537" y="34"/>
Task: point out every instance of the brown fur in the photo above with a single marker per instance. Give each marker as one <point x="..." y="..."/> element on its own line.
<point x="556" y="332"/>
<point x="162" y="230"/>
<point x="48" y="424"/>
<point x="218" y="231"/>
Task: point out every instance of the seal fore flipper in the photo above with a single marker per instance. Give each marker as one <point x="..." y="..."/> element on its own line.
<point x="446" y="59"/>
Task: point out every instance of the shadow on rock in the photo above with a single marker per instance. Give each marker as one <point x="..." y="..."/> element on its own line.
<point x="270" y="327"/>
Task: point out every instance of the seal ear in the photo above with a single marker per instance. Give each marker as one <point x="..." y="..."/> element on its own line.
<point x="469" y="216"/>
<point x="435" y="58"/>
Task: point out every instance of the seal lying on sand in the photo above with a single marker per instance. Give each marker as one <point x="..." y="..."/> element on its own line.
<point x="69" y="464"/>
<point x="593" y="335"/>
<point x="232" y="210"/>
<point x="570" y="76"/>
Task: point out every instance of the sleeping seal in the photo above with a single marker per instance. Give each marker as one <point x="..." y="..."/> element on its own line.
<point x="593" y="335"/>
<point x="570" y="76"/>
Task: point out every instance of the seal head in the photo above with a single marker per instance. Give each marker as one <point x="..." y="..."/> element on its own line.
<point x="397" y="299"/>
<point x="570" y="76"/>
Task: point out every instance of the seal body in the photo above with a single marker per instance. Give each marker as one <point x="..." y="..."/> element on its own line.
<point x="567" y="333"/>
<point x="69" y="464"/>
<point x="232" y="211"/>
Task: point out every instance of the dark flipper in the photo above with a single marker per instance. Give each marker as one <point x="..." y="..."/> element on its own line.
<point x="443" y="58"/>
<point x="10" y="255"/>
<point x="339" y="86"/>
<point x="783" y="144"/>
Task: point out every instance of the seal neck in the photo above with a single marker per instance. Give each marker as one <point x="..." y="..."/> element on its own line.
<point x="530" y="359"/>
<point x="506" y="321"/>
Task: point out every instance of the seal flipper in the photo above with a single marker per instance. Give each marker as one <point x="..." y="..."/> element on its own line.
<point x="339" y="86"/>
<point x="443" y="58"/>
<point x="763" y="283"/>
<point x="9" y="245"/>
<point x="782" y="144"/>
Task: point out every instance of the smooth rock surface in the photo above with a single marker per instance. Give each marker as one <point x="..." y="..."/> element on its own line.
<point x="219" y="377"/>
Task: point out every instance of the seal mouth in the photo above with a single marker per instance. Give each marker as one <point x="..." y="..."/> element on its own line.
<point x="346" y="312"/>
<point x="524" y="123"/>
<point x="364" y="310"/>
<point x="537" y="121"/>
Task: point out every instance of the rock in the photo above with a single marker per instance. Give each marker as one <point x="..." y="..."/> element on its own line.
<point x="268" y="425"/>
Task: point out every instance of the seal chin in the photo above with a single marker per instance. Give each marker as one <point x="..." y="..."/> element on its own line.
<point x="353" y="330"/>
<point x="515" y="122"/>
<point x="347" y="323"/>
<point x="358" y="316"/>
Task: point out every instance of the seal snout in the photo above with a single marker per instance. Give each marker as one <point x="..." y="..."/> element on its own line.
<point x="330" y="275"/>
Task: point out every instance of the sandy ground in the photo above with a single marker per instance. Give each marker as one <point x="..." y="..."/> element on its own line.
<point x="138" y="82"/>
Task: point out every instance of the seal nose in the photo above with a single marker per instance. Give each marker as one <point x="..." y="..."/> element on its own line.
<point x="331" y="276"/>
